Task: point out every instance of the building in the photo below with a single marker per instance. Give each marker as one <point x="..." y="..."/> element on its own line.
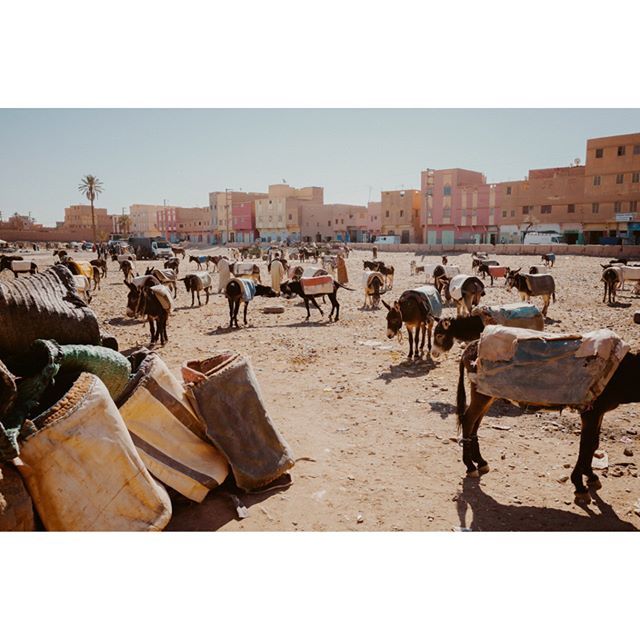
<point x="457" y="206"/>
<point x="612" y="189"/>
<point x="591" y="203"/>
<point x="18" y="222"/>
<point x="374" y="216"/>
<point x="278" y="214"/>
<point x="400" y="211"/>
<point x="192" y="224"/>
<point x="143" y="220"/>
<point x="333" y="222"/>
<point x="221" y="204"/>
<point x="243" y="222"/>
<point x="77" y="217"/>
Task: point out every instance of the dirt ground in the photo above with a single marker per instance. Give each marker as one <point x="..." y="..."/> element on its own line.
<point x="375" y="435"/>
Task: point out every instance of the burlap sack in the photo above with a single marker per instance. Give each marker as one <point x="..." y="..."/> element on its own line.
<point x="167" y="434"/>
<point x="16" y="507"/>
<point x="83" y="471"/>
<point x="45" y="305"/>
<point x="228" y="401"/>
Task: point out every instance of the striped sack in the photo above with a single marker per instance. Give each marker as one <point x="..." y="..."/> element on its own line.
<point x="319" y="285"/>
<point x="167" y="434"/>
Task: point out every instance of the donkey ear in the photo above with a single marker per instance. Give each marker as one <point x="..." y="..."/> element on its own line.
<point x="446" y="323"/>
<point x="385" y="304"/>
<point x="396" y="305"/>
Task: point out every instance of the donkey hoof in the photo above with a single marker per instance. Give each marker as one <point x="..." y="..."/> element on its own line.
<point x="594" y="485"/>
<point x="484" y="469"/>
<point x="582" y="498"/>
<point x="473" y="474"/>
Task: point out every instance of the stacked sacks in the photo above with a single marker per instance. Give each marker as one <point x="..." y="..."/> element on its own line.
<point x="225" y="393"/>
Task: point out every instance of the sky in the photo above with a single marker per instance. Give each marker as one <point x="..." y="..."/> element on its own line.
<point x="146" y="156"/>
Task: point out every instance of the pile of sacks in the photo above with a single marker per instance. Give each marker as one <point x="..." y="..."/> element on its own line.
<point x="93" y="438"/>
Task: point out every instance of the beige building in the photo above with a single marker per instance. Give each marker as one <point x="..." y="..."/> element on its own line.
<point x="278" y="215"/>
<point x="400" y="211"/>
<point x="327" y="222"/>
<point x="143" y="219"/>
<point x="77" y="217"/>
<point x="185" y="223"/>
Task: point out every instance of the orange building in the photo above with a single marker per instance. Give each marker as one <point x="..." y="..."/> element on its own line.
<point x="400" y="215"/>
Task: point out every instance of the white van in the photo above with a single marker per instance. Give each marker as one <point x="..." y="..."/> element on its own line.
<point x="535" y="237"/>
<point x="387" y="240"/>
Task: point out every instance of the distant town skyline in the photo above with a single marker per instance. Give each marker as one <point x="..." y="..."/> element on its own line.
<point x="146" y="156"/>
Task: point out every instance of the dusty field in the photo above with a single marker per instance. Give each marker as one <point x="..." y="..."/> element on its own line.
<point x="375" y="434"/>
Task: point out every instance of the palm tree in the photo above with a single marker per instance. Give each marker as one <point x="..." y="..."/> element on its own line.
<point x="91" y="187"/>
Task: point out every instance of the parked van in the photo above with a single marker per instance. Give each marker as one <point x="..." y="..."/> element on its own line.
<point x="387" y="240"/>
<point x="535" y="237"/>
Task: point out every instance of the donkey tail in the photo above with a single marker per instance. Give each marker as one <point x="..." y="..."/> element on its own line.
<point x="339" y="284"/>
<point x="461" y="397"/>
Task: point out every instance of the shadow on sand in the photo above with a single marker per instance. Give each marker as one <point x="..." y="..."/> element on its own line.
<point x="408" y="369"/>
<point x="218" y="508"/>
<point x="480" y="512"/>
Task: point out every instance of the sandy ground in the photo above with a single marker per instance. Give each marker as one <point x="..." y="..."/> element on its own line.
<point x="375" y="435"/>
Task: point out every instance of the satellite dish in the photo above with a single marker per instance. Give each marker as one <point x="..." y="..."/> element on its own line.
<point x="576" y="162"/>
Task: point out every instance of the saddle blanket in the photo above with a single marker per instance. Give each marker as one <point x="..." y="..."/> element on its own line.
<point x="243" y="268"/>
<point x="431" y="297"/>
<point x="368" y="277"/>
<point x="126" y="256"/>
<point x="163" y="295"/>
<point x="540" y="284"/>
<point x="628" y="273"/>
<point x="456" y="284"/>
<point x="312" y="272"/>
<point x="21" y="266"/>
<point x="497" y="271"/>
<point x="547" y="369"/>
<point x="205" y="278"/>
<point x="319" y="285"/>
<point x="517" y="314"/>
<point x="248" y="287"/>
<point x="82" y="268"/>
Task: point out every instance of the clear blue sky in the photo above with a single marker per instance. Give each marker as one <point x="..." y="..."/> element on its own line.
<point x="145" y="156"/>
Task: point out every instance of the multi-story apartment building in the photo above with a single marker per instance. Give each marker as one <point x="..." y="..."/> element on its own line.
<point x="338" y="222"/>
<point x="221" y="204"/>
<point x="457" y="205"/>
<point x="185" y="223"/>
<point x="400" y="211"/>
<point x="143" y="219"/>
<point x="77" y="217"/>
<point x="278" y="215"/>
<point x="589" y="203"/>
<point x="243" y="216"/>
<point x="612" y="188"/>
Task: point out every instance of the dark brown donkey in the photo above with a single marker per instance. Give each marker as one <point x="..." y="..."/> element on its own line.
<point x="623" y="388"/>
<point x="413" y="310"/>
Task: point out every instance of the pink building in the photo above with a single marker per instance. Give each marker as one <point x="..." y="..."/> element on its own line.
<point x="243" y="215"/>
<point x="458" y="206"/>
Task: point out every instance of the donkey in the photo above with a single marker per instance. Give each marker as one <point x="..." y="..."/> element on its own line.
<point x="622" y="388"/>
<point x="373" y="286"/>
<point x="294" y="287"/>
<point x="17" y="266"/>
<point x="533" y="285"/>
<point x="413" y="310"/>
<point x="549" y="259"/>
<point x="127" y="268"/>
<point x="235" y="291"/>
<point x="178" y="251"/>
<point x="101" y="264"/>
<point x="166" y="277"/>
<point x="197" y="282"/>
<point x="200" y="260"/>
<point x="612" y="278"/>
<point x="172" y="263"/>
<point x="146" y="303"/>
<point x="466" y="295"/>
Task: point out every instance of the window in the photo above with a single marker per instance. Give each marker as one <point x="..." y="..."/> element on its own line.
<point x="269" y="201"/>
<point x="446" y="191"/>
<point x="599" y="153"/>
<point x="633" y="205"/>
<point x="513" y="213"/>
<point x="504" y="214"/>
<point x="387" y="213"/>
<point x="571" y="208"/>
<point x="446" y="213"/>
<point x="545" y="208"/>
<point x="636" y="149"/>
<point x="525" y="210"/>
<point x="290" y="217"/>
<point x="617" y="207"/>
<point x="620" y="178"/>
<point x="596" y="181"/>
<point x="635" y="177"/>
<point x="508" y="191"/>
<point x="595" y="207"/>
<point x="329" y="222"/>
<point x="621" y="150"/>
<point x="401" y="212"/>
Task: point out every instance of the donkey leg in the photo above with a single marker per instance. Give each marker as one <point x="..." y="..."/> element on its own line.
<point x="483" y="465"/>
<point x="317" y="306"/>
<point x="593" y="482"/>
<point x="588" y="444"/>
<point x="306" y="303"/>
<point x="478" y="406"/>
<point x="410" y="332"/>
<point x="246" y="304"/>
